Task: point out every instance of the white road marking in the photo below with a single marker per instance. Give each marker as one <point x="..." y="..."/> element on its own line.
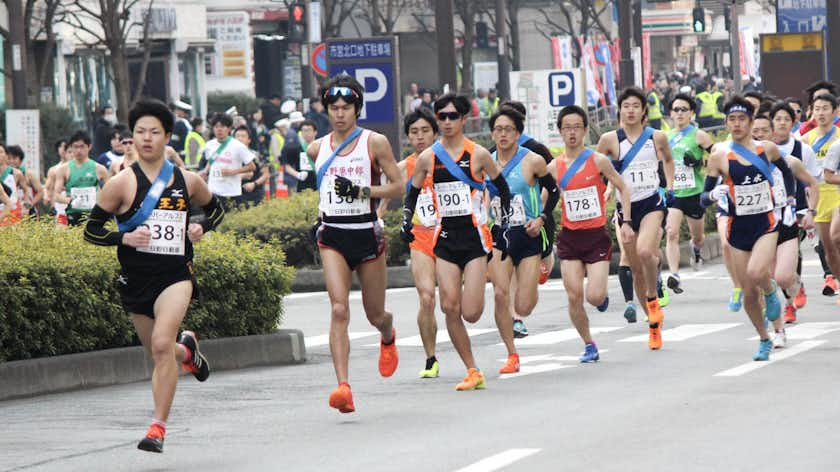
<point x="442" y="337"/>
<point x="775" y="356"/>
<point x="500" y="460"/>
<point x="550" y="357"/>
<point x="809" y="330"/>
<point x="554" y="337"/>
<point x="324" y="339"/>
<point x="692" y="275"/>
<point x="683" y="332"/>
<point x="536" y="369"/>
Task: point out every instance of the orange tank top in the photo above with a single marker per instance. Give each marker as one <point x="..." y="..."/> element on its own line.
<point x="410" y="162"/>
<point x="583" y="198"/>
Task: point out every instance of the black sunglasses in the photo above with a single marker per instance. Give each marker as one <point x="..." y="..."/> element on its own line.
<point x="448" y="115"/>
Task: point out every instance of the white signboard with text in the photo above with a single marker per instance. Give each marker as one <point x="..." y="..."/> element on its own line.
<point x="229" y="67"/>
<point x="544" y="93"/>
<point x="23" y="128"/>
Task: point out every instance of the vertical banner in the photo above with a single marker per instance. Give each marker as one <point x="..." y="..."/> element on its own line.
<point x="314" y="22"/>
<point x="648" y="74"/>
<point x="23" y="127"/>
<point x="749" y="58"/>
<point x="556" y="62"/>
<point x="374" y="63"/>
<point x="604" y="58"/>
<point x="636" y="54"/>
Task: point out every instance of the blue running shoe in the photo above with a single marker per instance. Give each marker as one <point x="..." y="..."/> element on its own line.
<point x="774" y="306"/>
<point x="590" y="354"/>
<point x="736" y="300"/>
<point x="764" y="348"/>
<point x="603" y="306"/>
<point x="630" y="312"/>
<point x="519" y="329"/>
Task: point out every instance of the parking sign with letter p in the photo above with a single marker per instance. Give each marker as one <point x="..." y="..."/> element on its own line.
<point x="561" y="89"/>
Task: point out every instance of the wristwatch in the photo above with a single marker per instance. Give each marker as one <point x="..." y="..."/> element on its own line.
<point x="812" y="211"/>
<point x="364" y="192"/>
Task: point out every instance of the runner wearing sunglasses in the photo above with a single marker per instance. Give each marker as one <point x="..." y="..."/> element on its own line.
<point x="458" y="168"/>
<point x="348" y="164"/>
<point x="688" y="145"/>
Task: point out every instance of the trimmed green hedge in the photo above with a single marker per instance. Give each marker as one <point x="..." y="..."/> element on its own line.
<point x="59" y="295"/>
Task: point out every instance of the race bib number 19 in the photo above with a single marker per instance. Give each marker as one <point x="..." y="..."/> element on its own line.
<point x="425" y="210"/>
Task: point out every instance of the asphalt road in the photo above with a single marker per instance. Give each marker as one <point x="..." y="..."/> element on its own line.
<point x="699" y="404"/>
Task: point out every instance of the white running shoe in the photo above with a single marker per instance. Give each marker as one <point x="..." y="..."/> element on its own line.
<point x="779" y="339"/>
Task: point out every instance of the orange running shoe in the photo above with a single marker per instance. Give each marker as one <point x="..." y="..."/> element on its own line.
<point x="511" y="366"/>
<point x="153" y="442"/>
<point x="473" y="381"/>
<point x="655" y="337"/>
<point x="801" y="298"/>
<point x="544" y="273"/>
<point x="388" y="357"/>
<point x="790" y="313"/>
<point x="655" y="313"/>
<point x="830" y="287"/>
<point x="342" y="398"/>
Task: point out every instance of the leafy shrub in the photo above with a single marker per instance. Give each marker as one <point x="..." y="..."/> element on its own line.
<point x="59" y="294"/>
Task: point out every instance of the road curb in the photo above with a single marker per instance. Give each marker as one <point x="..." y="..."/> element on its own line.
<point x="32" y="377"/>
<point x="312" y="280"/>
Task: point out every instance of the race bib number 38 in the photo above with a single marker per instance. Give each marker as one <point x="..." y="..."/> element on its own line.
<point x="582" y="204"/>
<point x="453" y="199"/>
<point x="168" y="228"/>
<point x="753" y="199"/>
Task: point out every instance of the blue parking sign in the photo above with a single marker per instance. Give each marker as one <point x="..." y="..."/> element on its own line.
<point x="378" y="81"/>
<point x="561" y="89"/>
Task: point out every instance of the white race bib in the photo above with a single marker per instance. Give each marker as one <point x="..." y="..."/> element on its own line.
<point x="168" y="228"/>
<point x="517" y="210"/>
<point x="425" y="210"/>
<point x="582" y="204"/>
<point x="216" y="172"/>
<point x="753" y="199"/>
<point x="83" y="198"/>
<point x="683" y="177"/>
<point x="453" y="199"/>
<point x="779" y="192"/>
<point x="642" y="178"/>
<point x="304" y="164"/>
<point x="334" y="205"/>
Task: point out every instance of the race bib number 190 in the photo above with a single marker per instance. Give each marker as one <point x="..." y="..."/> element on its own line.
<point x="453" y="199"/>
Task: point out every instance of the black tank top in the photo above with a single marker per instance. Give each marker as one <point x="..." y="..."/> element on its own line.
<point x="440" y="174"/>
<point x="174" y="198"/>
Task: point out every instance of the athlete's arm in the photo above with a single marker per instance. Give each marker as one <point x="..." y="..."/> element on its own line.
<point x="488" y="166"/>
<point x="704" y="140"/>
<point x="608" y="145"/>
<point x="422" y="167"/>
<point x="548" y="184"/>
<point x="801" y="173"/>
<point x="201" y="195"/>
<point x="108" y="201"/>
<point x="660" y="140"/>
<point x="102" y="174"/>
<point x="23" y="183"/>
<point x="711" y="189"/>
<point x="7" y="203"/>
<point x="776" y="158"/>
<point x="383" y="204"/>
<point x="60" y="183"/>
<point x="172" y="154"/>
<point x="615" y="181"/>
<point x="384" y="156"/>
<point x="48" y="185"/>
<point x="37" y="190"/>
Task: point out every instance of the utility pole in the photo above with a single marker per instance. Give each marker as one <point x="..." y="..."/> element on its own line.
<point x="833" y="40"/>
<point x="305" y="51"/>
<point x="445" y="30"/>
<point x="625" y="32"/>
<point x="735" y="47"/>
<point x="504" y="60"/>
<point x="18" y="54"/>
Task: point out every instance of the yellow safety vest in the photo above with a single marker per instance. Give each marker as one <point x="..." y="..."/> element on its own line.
<point x="708" y="105"/>
<point x="189" y="159"/>
<point x="274" y="160"/>
<point x="716" y="96"/>
<point x="655" y="110"/>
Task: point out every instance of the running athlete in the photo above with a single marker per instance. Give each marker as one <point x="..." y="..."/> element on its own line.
<point x="526" y="174"/>
<point x="13" y="182"/>
<point x="824" y="110"/>
<point x="786" y="205"/>
<point x="462" y="241"/>
<point x="752" y="232"/>
<point x="638" y="151"/>
<point x="49" y="185"/>
<point x="5" y="206"/>
<point x="583" y="244"/>
<point x="33" y="193"/>
<point x="225" y="160"/>
<point x="421" y="128"/>
<point x="688" y="144"/>
<point x="129" y="158"/>
<point x="348" y="163"/>
<point x="549" y="229"/>
<point x="814" y="90"/>
<point x="154" y="242"/>
<point x="80" y="179"/>
<point x="783" y="116"/>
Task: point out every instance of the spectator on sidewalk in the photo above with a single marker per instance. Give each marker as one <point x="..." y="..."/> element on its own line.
<point x="317" y="115"/>
<point x="102" y="131"/>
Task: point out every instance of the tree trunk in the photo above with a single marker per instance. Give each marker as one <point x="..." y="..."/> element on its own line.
<point x="467" y="13"/>
<point x="122" y="84"/>
<point x="513" y="16"/>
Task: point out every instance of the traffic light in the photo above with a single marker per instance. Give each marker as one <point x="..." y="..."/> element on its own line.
<point x="727" y="18"/>
<point x="481" y="36"/>
<point x="297" y="23"/>
<point x="699" y="22"/>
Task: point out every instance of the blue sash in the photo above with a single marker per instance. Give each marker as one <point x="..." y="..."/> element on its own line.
<point x="506" y="170"/>
<point x="572" y="169"/>
<point x="523" y="138"/>
<point x="678" y="137"/>
<point x="150" y="201"/>
<point x="754" y="159"/>
<point x="637" y="146"/>
<point x="453" y="168"/>
<point x="323" y="170"/>
<point x="821" y="142"/>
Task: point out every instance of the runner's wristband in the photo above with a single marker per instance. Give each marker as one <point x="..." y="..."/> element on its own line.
<point x="410" y="203"/>
<point x="214" y="213"/>
<point x="550" y="185"/>
<point x="709" y="185"/>
<point x="504" y="192"/>
<point x="95" y="231"/>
